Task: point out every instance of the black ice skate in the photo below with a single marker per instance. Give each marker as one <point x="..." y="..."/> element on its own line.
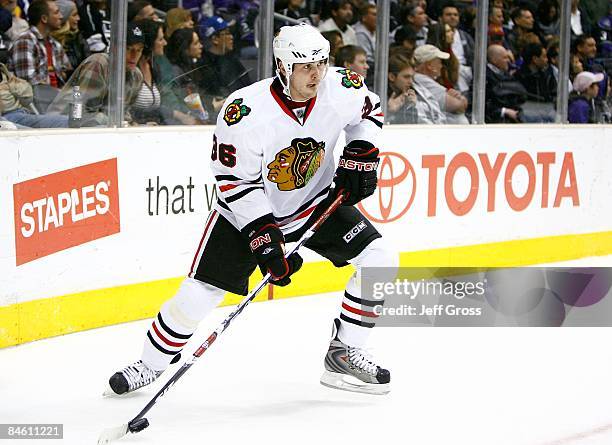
<point x="131" y="378"/>
<point x="351" y="369"/>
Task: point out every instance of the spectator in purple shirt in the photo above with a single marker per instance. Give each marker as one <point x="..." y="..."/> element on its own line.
<point x="581" y="108"/>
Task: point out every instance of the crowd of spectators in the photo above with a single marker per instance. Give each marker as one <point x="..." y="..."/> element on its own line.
<point x="522" y="72"/>
<point x="182" y="62"/>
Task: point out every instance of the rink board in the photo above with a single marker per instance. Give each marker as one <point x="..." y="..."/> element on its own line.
<point x="99" y="226"/>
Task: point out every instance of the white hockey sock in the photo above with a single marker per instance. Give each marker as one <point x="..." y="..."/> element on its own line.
<point x="176" y="321"/>
<point x="356" y="316"/>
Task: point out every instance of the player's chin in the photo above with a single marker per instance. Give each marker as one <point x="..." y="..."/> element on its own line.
<point x="312" y="89"/>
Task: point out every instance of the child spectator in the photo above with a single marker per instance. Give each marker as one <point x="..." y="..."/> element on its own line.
<point x="402" y="100"/>
<point x="581" y="109"/>
<point x="354" y="58"/>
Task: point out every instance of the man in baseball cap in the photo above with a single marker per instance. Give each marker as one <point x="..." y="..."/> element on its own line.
<point x="93" y="78"/>
<point x="427" y="53"/>
<point x="134" y="44"/>
<point x="450" y="103"/>
<point x="210" y="26"/>
<point x="223" y="71"/>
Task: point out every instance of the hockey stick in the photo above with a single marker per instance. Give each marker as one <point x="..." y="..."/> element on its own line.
<point x="140" y="422"/>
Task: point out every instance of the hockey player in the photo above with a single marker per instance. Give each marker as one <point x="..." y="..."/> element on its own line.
<point x="273" y="162"/>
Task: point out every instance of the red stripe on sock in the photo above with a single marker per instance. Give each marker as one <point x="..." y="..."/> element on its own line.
<point x="165" y="340"/>
<point x="358" y="311"/>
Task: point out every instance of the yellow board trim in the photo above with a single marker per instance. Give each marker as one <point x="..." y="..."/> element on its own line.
<point x="48" y="317"/>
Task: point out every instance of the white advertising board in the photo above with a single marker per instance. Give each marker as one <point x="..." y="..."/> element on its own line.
<point x="101" y="208"/>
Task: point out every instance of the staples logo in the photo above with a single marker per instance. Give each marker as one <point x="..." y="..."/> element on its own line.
<point x="65" y="209"/>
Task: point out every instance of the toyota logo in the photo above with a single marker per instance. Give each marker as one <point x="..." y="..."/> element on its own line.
<point x="396" y="189"/>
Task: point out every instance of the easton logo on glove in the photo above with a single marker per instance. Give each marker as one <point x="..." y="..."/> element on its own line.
<point x="356" y="175"/>
<point x="351" y="164"/>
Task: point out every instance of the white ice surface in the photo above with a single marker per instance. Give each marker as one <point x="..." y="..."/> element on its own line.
<point x="259" y="384"/>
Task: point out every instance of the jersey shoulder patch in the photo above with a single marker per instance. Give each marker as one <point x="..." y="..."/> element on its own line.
<point x="235" y="111"/>
<point x="350" y="79"/>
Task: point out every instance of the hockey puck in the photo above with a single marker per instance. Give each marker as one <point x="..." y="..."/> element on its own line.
<point x="137" y="426"/>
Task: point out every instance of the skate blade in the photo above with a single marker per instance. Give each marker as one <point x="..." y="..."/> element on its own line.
<point x="111" y="434"/>
<point x="349" y="383"/>
<point x="108" y="392"/>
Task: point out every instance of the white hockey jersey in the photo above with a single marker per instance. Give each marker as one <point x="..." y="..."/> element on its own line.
<point x="268" y="158"/>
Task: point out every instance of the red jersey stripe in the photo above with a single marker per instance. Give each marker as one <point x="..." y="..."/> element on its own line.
<point x="225" y="188"/>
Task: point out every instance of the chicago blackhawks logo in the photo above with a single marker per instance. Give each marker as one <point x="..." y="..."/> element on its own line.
<point x="351" y="79"/>
<point x="295" y="165"/>
<point x="235" y="111"/>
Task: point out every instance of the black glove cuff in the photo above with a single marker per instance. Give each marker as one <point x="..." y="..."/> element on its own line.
<point x="360" y="150"/>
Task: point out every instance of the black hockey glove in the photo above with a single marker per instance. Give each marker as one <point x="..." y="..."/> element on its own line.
<point x="356" y="175"/>
<point x="267" y="244"/>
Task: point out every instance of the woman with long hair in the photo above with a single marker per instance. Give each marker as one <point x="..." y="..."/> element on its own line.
<point x="184" y="73"/>
<point x="441" y="36"/>
<point x="157" y="92"/>
<point x="69" y="35"/>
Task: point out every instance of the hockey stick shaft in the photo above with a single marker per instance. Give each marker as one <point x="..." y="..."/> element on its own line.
<point x="225" y="323"/>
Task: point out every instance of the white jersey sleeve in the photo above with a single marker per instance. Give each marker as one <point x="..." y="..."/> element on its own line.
<point x="366" y="125"/>
<point x="236" y="163"/>
<point x="365" y="119"/>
